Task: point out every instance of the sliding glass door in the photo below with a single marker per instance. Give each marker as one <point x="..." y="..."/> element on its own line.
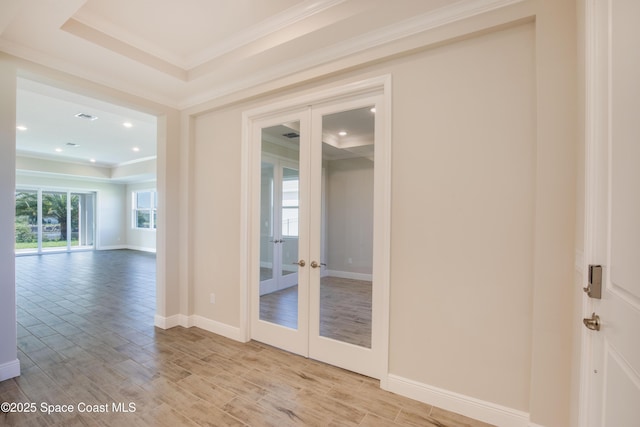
<point x="26" y="221"/>
<point x="53" y="220"/>
<point x="82" y="220"/>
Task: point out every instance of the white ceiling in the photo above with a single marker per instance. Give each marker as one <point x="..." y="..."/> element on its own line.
<point x="181" y="53"/>
<point x="49" y="116"/>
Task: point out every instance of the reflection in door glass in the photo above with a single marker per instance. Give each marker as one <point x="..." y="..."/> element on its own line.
<point x="289" y="220"/>
<point x="347" y="227"/>
<point x="266" y="222"/>
<point x="279" y="205"/>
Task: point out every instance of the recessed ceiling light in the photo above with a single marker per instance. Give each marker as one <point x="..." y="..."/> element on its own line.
<point x="373" y="110"/>
<point x="92" y="160"/>
<point x="342" y="133"/>
<point x="58" y="150"/>
<point x="127" y="124"/>
<point x="21" y="127"/>
<point x="136" y="149"/>
<point x="86" y="116"/>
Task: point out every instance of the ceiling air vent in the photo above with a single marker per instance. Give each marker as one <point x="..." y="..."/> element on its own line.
<point x="72" y="144"/>
<point x="86" y="116"/>
<point x="291" y="135"/>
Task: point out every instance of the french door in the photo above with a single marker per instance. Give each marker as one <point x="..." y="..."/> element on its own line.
<point x="314" y="287"/>
<point x="611" y="349"/>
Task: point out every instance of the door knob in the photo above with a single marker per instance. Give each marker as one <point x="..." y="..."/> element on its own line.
<point x="301" y="263"/>
<point x="593" y="322"/>
<point x="316" y="265"/>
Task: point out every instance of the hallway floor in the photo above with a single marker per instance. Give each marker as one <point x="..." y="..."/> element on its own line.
<point x="86" y="339"/>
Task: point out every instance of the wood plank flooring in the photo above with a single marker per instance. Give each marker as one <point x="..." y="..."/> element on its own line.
<point x="345" y="309"/>
<point x="86" y="337"/>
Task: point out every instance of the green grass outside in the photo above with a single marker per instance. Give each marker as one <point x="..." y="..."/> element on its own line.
<point x="46" y="244"/>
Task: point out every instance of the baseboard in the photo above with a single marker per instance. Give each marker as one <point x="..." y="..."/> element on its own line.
<point x="10" y="370"/>
<point x="349" y="275"/>
<point x="142" y="249"/>
<point x="110" y="248"/>
<point x="171" y="321"/>
<point x="464" y="405"/>
<point x="218" y="328"/>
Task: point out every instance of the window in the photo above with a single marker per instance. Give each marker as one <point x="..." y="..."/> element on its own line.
<point x="145" y="208"/>
<point x="290" y="202"/>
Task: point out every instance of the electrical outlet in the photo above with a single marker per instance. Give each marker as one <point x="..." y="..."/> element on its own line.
<point x="349" y="261"/>
<point x="212" y="298"/>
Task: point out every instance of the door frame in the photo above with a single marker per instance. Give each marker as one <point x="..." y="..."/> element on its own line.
<point x="382" y="210"/>
<point x="596" y="128"/>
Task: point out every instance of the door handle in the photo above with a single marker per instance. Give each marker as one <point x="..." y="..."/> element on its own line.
<point x="316" y="265"/>
<point x="301" y="263"/>
<point x="593" y="322"/>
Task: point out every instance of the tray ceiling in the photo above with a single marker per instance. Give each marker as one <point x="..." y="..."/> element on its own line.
<point x="180" y="53"/>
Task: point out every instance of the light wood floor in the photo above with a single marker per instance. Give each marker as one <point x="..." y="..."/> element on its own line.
<point x="345" y="309"/>
<point x="86" y="336"/>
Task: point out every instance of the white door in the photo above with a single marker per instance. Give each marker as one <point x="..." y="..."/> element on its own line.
<point x="279" y="232"/>
<point x="346" y="287"/>
<point x="316" y="224"/>
<point x="612" y="377"/>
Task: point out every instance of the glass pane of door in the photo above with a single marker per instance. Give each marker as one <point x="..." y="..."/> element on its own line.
<point x="279" y="202"/>
<point x="289" y="209"/>
<point x="82" y="220"/>
<point x="267" y="237"/>
<point x="26" y="221"/>
<point x="347" y="226"/>
<point x="54" y="220"/>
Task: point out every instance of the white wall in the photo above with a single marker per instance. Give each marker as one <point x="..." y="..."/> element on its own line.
<point x="482" y="213"/>
<point x="462" y="215"/>
<point x="9" y="364"/>
<point x="110" y="205"/>
<point x="138" y="239"/>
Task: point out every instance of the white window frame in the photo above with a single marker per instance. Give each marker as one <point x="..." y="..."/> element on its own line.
<point x="152" y="210"/>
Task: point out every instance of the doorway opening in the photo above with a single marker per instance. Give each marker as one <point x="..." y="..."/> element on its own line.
<point x="78" y="160"/>
<point x="318" y="257"/>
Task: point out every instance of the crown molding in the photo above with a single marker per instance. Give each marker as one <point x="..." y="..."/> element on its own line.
<point x="455" y="12"/>
<point x="192" y="93"/>
<point x="170" y="60"/>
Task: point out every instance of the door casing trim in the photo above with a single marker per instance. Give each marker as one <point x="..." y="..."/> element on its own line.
<point x="334" y="92"/>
